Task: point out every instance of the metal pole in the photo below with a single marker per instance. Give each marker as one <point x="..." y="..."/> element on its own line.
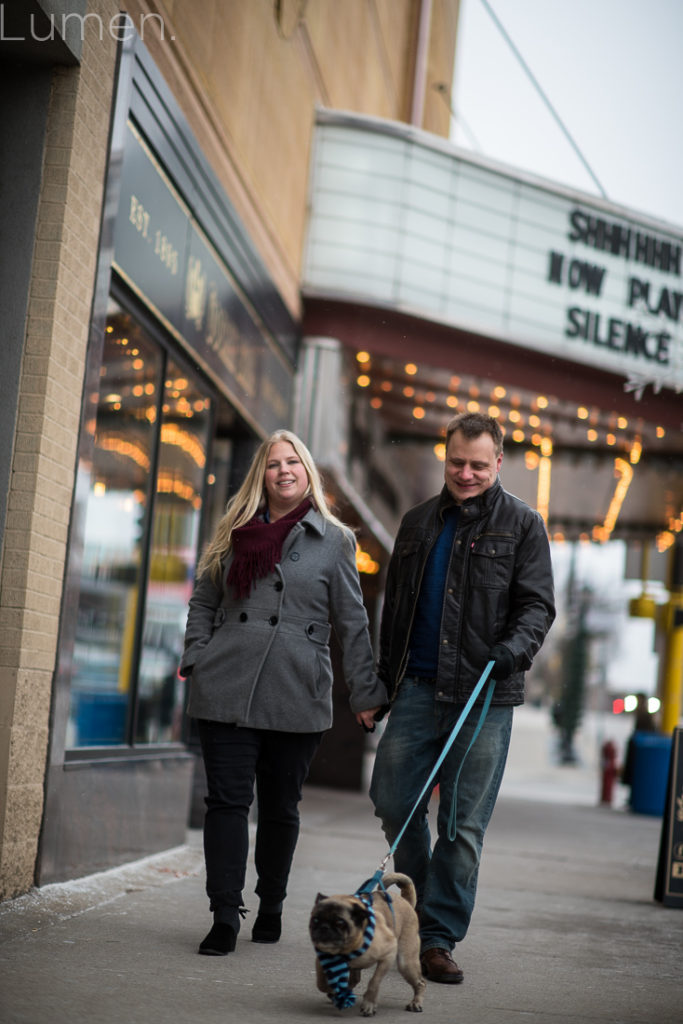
<point x="421" y="60"/>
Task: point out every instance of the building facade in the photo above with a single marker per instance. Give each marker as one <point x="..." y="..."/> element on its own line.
<point x="156" y="167"/>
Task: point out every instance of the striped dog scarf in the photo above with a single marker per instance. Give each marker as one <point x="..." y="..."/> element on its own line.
<point x="336" y="965"/>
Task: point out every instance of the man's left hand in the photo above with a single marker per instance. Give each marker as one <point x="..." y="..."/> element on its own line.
<point x="504" y="662"/>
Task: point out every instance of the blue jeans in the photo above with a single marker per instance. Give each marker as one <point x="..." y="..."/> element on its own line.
<point x="416" y="732"/>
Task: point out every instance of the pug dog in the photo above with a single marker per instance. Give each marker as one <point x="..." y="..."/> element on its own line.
<point x="339" y="927"/>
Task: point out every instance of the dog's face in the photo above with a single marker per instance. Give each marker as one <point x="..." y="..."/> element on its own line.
<point x="337" y="923"/>
<point x="338" y="927"/>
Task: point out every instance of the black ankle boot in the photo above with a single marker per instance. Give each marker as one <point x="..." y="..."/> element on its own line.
<point x="267" y="927"/>
<point x="220" y="941"/>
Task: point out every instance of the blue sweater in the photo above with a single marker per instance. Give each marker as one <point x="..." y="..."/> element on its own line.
<point x="424" y="639"/>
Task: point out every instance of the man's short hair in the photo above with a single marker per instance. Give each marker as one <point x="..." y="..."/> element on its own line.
<point x="474" y="424"/>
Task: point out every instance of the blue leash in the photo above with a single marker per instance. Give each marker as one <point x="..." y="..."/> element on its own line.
<point x="376" y="879"/>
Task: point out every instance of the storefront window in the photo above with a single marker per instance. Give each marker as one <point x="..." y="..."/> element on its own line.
<point x="174" y="539"/>
<point x="144" y="493"/>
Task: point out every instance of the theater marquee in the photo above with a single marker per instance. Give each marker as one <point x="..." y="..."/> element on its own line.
<point x="403" y="219"/>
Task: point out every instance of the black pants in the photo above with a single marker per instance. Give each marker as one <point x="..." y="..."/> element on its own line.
<point x="235" y="758"/>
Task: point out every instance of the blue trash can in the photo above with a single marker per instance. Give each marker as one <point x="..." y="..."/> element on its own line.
<point x="651" y="757"/>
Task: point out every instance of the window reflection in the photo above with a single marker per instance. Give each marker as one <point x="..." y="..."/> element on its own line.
<point x="175" y="534"/>
<point x="149" y="457"/>
<point x="113" y="535"/>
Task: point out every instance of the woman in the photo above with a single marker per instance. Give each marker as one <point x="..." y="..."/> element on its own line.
<point x="279" y="573"/>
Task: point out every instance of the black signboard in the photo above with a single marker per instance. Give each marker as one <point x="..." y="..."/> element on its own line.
<point x="163" y="254"/>
<point x="221" y="330"/>
<point x="669" y="883"/>
<point x="150" y="237"/>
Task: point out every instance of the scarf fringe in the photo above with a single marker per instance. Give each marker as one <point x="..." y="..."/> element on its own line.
<point x="252" y="565"/>
<point x="257" y="548"/>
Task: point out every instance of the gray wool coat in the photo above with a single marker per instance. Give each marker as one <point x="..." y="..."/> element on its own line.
<point x="264" y="661"/>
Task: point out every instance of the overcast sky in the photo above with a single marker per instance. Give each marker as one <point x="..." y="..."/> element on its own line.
<point x="613" y="71"/>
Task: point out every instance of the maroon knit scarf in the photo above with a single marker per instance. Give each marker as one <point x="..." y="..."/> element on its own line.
<point x="257" y="547"/>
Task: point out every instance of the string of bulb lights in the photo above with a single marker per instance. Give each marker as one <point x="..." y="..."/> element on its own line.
<point x="420" y="400"/>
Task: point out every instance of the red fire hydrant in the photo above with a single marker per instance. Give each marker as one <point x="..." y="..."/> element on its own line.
<point x="610" y="771"/>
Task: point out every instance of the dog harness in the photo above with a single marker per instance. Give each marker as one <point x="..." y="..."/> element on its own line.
<point x="336" y="965"/>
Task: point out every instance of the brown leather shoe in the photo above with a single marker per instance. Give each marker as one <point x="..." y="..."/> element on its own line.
<point x="439" y="965"/>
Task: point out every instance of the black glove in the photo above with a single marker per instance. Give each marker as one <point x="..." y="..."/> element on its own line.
<point x="504" y="662"/>
<point x="383" y="711"/>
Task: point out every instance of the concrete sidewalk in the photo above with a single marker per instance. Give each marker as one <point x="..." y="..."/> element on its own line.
<point x="565" y="928"/>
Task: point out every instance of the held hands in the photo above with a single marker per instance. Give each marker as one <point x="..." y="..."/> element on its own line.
<point x="367" y="719"/>
<point x="504" y="662"/>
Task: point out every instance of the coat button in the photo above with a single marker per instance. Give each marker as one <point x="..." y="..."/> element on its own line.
<point x="243" y="617"/>
<point x="310" y="630"/>
<point x="294" y="556"/>
<point x="273" y="620"/>
<point x="278" y="585"/>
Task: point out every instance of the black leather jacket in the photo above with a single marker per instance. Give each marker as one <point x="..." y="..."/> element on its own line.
<point x="499" y="589"/>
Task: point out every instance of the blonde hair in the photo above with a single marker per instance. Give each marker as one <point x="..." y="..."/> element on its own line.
<point x="251" y="498"/>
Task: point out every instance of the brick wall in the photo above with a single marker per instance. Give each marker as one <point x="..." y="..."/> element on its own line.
<point x="249" y="85"/>
<point x="42" y="480"/>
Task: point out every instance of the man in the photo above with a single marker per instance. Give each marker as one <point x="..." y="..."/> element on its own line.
<point x="469" y="581"/>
